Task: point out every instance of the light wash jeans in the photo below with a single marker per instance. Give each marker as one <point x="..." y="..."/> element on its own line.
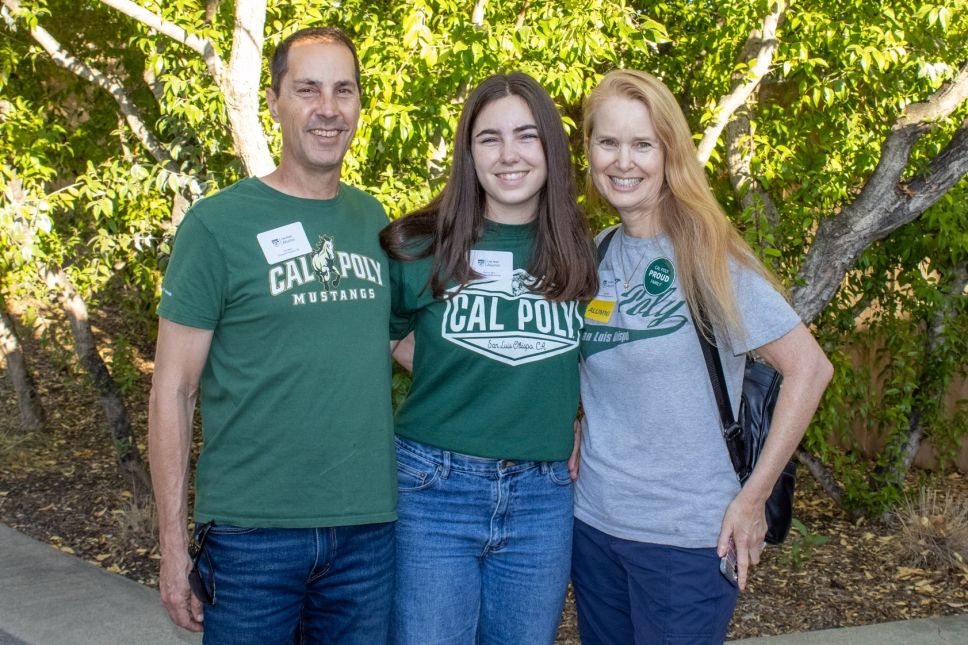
<point x="325" y="585"/>
<point x="483" y="548"/>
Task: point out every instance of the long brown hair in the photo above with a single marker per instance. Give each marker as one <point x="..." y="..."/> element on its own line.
<point x="562" y="256"/>
<point x="704" y="241"/>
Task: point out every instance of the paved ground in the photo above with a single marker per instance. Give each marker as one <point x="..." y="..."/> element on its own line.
<point x="950" y="630"/>
<point x="51" y="598"/>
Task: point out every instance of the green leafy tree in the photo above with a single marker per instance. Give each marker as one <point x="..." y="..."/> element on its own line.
<point x="834" y="132"/>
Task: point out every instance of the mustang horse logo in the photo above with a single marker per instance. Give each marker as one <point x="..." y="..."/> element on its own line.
<point x="324" y="262"/>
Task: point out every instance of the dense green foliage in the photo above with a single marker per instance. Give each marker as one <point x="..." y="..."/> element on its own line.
<point x="81" y="191"/>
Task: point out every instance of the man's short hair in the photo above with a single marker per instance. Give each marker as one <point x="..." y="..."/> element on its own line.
<point x="280" y="57"/>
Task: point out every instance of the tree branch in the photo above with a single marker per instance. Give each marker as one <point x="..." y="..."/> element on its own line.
<point x="739" y="153"/>
<point x="766" y="36"/>
<point x="944" y="171"/>
<point x="931" y="389"/>
<point x="823" y="476"/>
<point x="477" y="15"/>
<point x="110" y="84"/>
<point x="522" y="13"/>
<point x="739" y="160"/>
<point x="203" y="46"/>
<point x="885" y="203"/>
<point x="940" y="104"/>
<point x="132" y="467"/>
<point x="239" y="83"/>
<point x="211" y="10"/>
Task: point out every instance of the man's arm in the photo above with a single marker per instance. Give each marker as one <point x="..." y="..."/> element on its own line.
<point x="179" y="359"/>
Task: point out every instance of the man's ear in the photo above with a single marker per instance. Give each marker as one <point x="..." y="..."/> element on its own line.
<point x="271" y="99"/>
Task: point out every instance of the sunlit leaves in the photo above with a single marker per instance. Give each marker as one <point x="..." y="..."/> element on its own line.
<point x="843" y="71"/>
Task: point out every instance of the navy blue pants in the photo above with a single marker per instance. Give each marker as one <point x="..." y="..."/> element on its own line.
<point x="635" y="592"/>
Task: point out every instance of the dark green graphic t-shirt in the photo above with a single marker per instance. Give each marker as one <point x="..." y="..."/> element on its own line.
<point x="495" y="365"/>
<point x="295" y="402"/>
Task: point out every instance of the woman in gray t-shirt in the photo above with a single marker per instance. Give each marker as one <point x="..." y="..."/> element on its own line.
<point x="657" y="503"/>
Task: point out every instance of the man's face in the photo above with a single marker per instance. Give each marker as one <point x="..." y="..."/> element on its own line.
<point x="318" y="106"/>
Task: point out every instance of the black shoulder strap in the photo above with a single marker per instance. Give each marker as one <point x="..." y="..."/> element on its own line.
<point x="715" y="368"/>
<point x="713" y="363"/>
<point x="603" y="245"/>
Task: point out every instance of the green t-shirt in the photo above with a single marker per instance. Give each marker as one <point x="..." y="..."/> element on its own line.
<point x="495" y="370"/>
<point x="295" y="393"/>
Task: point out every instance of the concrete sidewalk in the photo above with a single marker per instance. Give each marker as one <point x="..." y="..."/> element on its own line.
<point x="51" y="598"/>
<point x="949" y="630"/>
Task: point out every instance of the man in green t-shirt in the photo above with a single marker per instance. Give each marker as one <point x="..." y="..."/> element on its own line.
<point x="274" y="314"/>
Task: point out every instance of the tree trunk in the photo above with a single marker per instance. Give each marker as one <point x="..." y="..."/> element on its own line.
<point x="241" y="84"/>
<point x="85" y="346"/>
<point x="31" y="412"/>
<point x="886" y="203"/>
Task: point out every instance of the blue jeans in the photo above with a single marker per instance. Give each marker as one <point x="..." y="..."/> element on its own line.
<point x="324" y="585"/>
<point x="635" y="592"/>
<point x="483" y="548"/>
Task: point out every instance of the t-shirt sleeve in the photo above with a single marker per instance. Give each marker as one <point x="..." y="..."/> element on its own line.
<point x="402" y="308"/>
<point x="766" y="314"/>
<point x="192" y="292"/>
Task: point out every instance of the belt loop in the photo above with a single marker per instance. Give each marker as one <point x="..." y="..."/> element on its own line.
<point x="545" y="467"/>
<point x="444" y="464"/>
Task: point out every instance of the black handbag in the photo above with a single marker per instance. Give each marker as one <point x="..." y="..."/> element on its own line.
<point x="746" y="436"/>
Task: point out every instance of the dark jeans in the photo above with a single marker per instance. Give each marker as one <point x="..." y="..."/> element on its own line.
<point x="325" y="585"/>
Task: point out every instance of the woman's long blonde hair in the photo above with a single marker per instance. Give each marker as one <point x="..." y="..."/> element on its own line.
<point x="703" y="240"/>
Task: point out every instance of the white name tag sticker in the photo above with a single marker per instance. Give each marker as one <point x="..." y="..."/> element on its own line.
<point x="494" y="265"/>
<point x="285" y="242"/>
<point x="608" y="285"/>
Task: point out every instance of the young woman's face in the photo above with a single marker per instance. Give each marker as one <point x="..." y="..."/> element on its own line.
<point x="509" y="160"/>
<point x="625" y="158"/>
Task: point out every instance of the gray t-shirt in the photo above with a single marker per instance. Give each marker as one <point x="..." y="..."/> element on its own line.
<point x="654" y="466"/>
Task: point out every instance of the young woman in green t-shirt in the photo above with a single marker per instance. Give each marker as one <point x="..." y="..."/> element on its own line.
<point x="488" y="277"/>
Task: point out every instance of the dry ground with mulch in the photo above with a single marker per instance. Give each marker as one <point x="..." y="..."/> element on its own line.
<point x="63" y="488"/>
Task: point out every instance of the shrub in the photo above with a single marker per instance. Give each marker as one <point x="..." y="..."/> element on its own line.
<point x="933" y="532"/>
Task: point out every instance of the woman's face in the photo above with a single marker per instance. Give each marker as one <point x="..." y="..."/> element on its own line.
<point x="509" y="160"/>
<point x="625" y="158"/>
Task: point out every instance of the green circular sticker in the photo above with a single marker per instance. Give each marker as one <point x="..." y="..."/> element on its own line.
<point x="659" y="276"/>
